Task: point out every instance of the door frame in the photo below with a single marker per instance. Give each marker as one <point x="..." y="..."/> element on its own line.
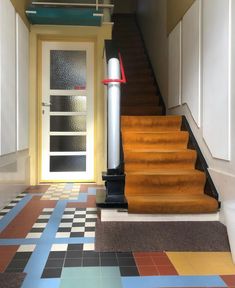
<point x="73" y="40"/>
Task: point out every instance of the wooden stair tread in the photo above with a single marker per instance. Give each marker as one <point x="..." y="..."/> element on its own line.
<point x="165" y="173"/>
<point x="169" y="203"/>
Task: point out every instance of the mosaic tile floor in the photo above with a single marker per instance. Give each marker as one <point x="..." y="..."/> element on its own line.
<point x="49" y="233"/>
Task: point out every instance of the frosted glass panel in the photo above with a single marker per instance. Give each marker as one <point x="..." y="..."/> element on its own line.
<point x="67" y="143"/>
<point x="67" y="70"/>
<point x="68" y="123"/>
<point x="67" y="163"/>
<point x="68" y="103"/>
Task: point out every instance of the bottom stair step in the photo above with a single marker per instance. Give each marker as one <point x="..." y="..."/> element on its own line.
<point x="168" y="204"/>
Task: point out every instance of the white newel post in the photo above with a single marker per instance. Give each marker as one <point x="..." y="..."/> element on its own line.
<point x="113" y="114"/>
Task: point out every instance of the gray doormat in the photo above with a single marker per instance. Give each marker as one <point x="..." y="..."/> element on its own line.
<point x="11" y="280"/>
<point x="161" y="236"/>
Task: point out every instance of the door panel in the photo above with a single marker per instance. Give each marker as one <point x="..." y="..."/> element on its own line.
<point x="67" y="112"/>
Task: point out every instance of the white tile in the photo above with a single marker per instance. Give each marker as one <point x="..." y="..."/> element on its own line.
<point x="59" y="247"/>
<point x="67" y="216"/>
<point x="62" y="235"/>
<point x="39" y="225"/>
<point x="78" y="229"/>
<point x="70" y="209"/>
<point x="90" y="224"/>
<point x="79" y="220"/>
<point x="90" y="216"/>
<point x="88" y="246"/>
<point x="89" y="234"/>
<point x="5" y="210"/>
<point x="80" y="212"/>
<point x="44" y="217"/>
<point x="26" y="248"/>
<point x="11" y="204"/>
<point x="91" y="209"/>
<point x="34" y="235"/>
<point x="65" y="225"/>
<point x="48" y="210"/>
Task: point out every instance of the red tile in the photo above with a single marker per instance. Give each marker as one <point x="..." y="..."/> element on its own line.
<point x="166" y="270"/>
<point x="6" y="255"/>
<point x="158" y="254"/>
<point x="162" y="260"/>
<point x="147" y="270"/>
<point x="144" y="261"/>
<point x="229" y="280"/>
<point x="26" y="218"/>
<point x="37" y="188"/>
<point x="141" y="254"/>
<point x="77" y="205"/>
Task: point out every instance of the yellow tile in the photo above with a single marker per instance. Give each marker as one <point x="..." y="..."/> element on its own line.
<point x="181" y="263"/>
<point x="202" y="263"/>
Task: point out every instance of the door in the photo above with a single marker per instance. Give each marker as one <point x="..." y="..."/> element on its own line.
<point x="67" y="148"/>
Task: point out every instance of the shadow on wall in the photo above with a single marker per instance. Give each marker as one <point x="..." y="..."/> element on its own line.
<point x="125" y="7"/>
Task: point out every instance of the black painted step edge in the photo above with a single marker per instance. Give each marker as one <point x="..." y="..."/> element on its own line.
<point x="201" y="163"/>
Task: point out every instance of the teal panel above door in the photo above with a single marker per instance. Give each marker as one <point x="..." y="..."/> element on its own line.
<point x="64" y="16"/>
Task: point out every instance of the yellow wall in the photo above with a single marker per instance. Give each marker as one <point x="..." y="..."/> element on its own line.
<point x="95" y="34"/>
<point x="175" y="11"/>
<point x="20" y="6"/>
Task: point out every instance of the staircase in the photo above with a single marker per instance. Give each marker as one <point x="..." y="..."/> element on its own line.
<point x="160" y="169"/>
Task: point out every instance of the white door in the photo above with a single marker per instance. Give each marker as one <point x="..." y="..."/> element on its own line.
<point x="67" y="111"/>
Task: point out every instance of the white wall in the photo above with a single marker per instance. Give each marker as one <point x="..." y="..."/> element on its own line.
<point x="22" y="52"/>
<point x="217" y="107"/>
<point x="191" y="62"/>
<point x="14" y="166"/>
<point x="152" y="18"/>
<point x="8" y="77"/>
<point x="216" y="76"/>
<point x="174" y="68"/>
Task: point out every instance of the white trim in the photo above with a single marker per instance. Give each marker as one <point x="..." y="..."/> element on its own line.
<point x="229" y="79"/>
<point x="123" y="216"/>
<point x="67" y="153"/>
<point x="67" y="113"/>
<point x="68" y="133"/>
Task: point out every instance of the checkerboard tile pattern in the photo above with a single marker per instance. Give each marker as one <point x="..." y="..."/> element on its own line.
<point x="62" y="191"/>
<point x="40" y="224"/>
<point x="12" y="204"/>
<point x="77" y="222"/>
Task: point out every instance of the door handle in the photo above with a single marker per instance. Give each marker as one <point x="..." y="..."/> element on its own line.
<point x="46" y="104"/>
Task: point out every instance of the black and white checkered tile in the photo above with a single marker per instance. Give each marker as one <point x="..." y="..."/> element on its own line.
<point x="77" y="222"/>
<point x="40" y="224"/>
<point x="12" y="204"/>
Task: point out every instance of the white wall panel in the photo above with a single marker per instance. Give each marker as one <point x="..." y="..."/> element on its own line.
<point x="174" y="70"/>
<point x="216" y="76"/>
<point x="8" y="77"/>
<point x="191" y="60"/>
<point x="22" y="52"/>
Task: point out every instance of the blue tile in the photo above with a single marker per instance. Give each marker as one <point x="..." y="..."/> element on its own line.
<point x="172" y="281"/>
<point x="81" y="272"/>
<point x="41" y="283"/>
<point x="19" y="241"/>
<point x="82" y="197"/>
<point x="92" y="191"/>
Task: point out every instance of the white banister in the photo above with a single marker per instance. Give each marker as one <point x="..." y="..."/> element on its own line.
<point x="113" y="114"/>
